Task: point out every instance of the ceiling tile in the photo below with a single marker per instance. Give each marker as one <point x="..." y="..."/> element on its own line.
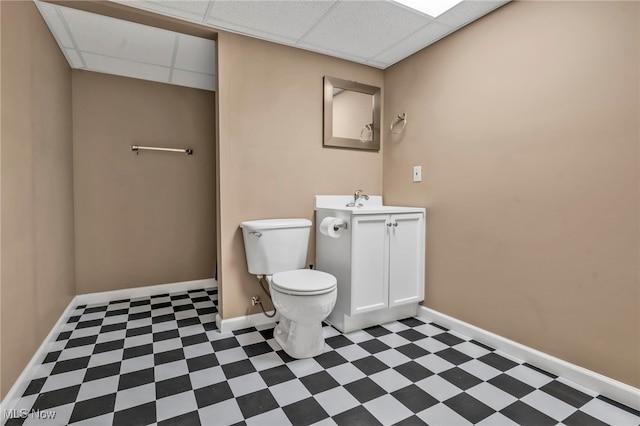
<point x="50" y="14"/>
<point x="186" y="9"/>
<point x="468" y="11"/>
<point x="288" y="19"/>
<point x="193" y="79"/>
<point x="126" y="68"/>
<point x="113" y="37"/>
<point x="364" y="28"/>
<point x="416" y="41"/>
<point x="196" y="54"/>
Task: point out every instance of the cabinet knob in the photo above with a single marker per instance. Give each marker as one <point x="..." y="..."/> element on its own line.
<point x="389" y="224"/>
<point x="395" y="224"/>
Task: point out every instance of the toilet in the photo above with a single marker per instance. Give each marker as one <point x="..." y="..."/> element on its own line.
<point x="277" y="249"/>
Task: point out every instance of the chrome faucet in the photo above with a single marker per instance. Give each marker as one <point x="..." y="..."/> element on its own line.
<point x="357" y="196"/>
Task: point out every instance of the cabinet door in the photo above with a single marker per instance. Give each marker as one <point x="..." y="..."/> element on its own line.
<point x="369" y="267"/>
<point x="406" y="259"/>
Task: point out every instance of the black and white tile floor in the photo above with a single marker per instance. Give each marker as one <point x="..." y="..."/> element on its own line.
<point x="160" y="360"/>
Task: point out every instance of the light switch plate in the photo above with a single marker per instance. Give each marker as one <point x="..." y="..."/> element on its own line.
<point x="417" y="173"/>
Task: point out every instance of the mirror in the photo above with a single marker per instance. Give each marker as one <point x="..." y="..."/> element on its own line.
<point x="351" y="114"/>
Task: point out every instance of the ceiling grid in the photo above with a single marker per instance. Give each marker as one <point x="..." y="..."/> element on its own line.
<point x="378" y="33"/>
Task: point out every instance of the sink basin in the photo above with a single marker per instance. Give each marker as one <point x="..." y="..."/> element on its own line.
<point x="371" y="206"/>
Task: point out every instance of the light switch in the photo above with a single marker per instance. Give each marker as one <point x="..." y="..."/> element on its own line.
<point x="417" y="173"/>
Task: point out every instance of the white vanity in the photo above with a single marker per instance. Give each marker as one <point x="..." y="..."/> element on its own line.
<point x="376" y="252"/>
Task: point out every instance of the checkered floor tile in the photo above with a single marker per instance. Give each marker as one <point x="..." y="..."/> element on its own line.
<point x="160" y="360"/>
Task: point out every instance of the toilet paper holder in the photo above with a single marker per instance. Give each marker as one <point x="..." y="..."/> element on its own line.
<point x="340" y="225"/>
<point x="332" y="226"/>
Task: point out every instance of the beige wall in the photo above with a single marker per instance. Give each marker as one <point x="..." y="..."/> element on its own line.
<point x="149" y="218"/>
<point x="271" y="160"/>
<point x="37" y="186"/>
<point x="526" y="124"/>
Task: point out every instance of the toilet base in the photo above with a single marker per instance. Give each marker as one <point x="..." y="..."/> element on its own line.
<point x="299" y="340"/>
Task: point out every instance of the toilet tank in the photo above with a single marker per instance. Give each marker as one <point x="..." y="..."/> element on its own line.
<point x="275" y="245"/>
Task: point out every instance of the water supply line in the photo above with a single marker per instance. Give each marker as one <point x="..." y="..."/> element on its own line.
<point x="259" y="302"/>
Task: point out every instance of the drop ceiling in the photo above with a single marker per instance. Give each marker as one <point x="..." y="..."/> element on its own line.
<point x="112" y="46"/>
<point x="377" y="33"/>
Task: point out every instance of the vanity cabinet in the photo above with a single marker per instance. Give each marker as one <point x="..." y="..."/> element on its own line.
<point x="387" y="261"/>
<point x="377" y="259"/>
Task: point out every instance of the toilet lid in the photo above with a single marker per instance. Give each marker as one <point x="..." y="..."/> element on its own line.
<point x="303" y="281"/>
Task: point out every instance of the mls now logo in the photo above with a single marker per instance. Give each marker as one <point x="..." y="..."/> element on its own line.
<point x="24" y="413"/>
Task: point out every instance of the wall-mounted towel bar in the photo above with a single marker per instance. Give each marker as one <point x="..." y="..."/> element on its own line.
<point x="137" y="148"/>
<point x="399" y="123"/>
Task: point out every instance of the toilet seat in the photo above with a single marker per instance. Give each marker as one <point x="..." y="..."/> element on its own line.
<point x="303" y="282"/>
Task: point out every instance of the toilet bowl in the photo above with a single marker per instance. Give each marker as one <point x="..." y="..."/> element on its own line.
<point x="277" y="249"/>
<point x="304" y="298"/>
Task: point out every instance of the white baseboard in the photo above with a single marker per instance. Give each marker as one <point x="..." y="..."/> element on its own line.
<point x="606" y="386"/>
<point x="15" y="393"/>
<point x="18" y="388"/>
<point x="130" y="293"/>
<point x="238" y="323"/>
<point x="348" y="323"/>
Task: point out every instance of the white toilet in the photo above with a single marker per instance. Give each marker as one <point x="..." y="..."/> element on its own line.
<point x="277" y="249"/>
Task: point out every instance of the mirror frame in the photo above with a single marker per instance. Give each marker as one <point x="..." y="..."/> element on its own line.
<point x="328" y="139"/>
